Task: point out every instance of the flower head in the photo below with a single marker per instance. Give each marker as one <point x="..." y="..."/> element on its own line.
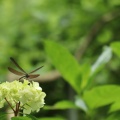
<point x="27" y="96"/>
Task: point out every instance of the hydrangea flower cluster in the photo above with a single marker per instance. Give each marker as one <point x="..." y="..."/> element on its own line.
<point x="26" y="96"/>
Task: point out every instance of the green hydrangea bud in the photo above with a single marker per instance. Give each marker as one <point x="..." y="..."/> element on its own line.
<point x="27" y="96"/>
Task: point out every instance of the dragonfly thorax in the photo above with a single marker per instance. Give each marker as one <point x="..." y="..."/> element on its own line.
<point x="27" y="76"/>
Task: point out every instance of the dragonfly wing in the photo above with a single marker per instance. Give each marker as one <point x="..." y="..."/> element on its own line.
<point x="16" y="64"/>
<point x="15" y="71"/>
<point x="33" y="76"/>
<point x="36" y="69"/>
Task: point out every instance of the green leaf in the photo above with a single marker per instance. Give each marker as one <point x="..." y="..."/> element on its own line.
<point x="32" y="117"/>
<point x="52" y="118"/>
<point x="102" y="95"/>
<point x="116" y="48"/>
<point x="65" y="63"/>
<point x="62" y="105"/>
<point x="89" y="72"/>
<point x="3" y="116"/>
<point x="85" y="71"/>
<point x="114" y="116"/>
<point x="21" y="118"/>
<point x="115" y="106"/>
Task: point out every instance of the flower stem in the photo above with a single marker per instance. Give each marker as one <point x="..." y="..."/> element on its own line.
<point x="9" y="104"/>
<point x="16" y="111"/>
<point x="17" y="108"/>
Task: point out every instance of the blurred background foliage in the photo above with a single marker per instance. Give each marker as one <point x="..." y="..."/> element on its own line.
<point x="43" y="32"/>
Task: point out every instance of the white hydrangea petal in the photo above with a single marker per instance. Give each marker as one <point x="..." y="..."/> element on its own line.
<point x="36" y="85"/>
<point x="27" y="110"/>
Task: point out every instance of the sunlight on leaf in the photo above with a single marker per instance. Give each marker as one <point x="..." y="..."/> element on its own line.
<point x="103" y="58"/>
<point x="81" y="103"/>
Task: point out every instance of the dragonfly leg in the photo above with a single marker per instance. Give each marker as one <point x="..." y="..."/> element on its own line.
<point x="22" y="77"/>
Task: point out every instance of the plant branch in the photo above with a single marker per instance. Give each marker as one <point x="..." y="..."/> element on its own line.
<point x="10" y="105"/>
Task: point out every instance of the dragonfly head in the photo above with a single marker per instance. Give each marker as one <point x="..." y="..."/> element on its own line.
<point x="27" y="76"/>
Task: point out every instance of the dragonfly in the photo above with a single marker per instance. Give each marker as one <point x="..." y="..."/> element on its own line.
<point x="22" y="73"/>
